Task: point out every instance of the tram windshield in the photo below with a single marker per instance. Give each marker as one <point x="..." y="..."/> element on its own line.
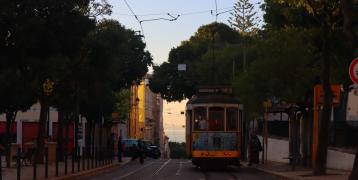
<point x="216" y="119"/>
<point x="213" y="119"/>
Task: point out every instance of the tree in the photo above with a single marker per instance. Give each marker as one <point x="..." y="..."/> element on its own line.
<point x="327" y="15"/>
<point x="347" y="9"/>
<point x="16" y="95"/>
<point x="282" y="69"/>
<point x="244" y="19"/>
<point x="115" y="57"/>
<point x="122" y="104"/>
<point x="42" y="36"/>
<point x="203" y="53"/>
<point x="325" y="18"/>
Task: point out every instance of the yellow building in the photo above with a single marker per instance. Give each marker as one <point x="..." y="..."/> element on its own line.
<point x="146" y="119"/>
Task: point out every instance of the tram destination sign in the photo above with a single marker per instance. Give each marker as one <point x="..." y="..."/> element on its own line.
<point x="214" y="90"/>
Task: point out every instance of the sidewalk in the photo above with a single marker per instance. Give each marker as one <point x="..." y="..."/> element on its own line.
<point x="27" y="171"/>
<point x="284" y="171"/>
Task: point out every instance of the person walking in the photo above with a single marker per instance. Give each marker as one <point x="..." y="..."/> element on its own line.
<point x="254" y="149"/>
<point x="140" y="151"/>
<point x="120" y="148"/>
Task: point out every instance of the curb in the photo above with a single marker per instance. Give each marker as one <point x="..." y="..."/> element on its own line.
<point x="90" y="172"/>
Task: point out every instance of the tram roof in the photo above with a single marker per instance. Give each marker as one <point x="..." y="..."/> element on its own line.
<point x="225" y="99"/>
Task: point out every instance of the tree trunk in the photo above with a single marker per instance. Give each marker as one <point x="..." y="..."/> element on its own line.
<point x="93" y="135"/>
<point x="66" y="138"/>
<point x="323" y="128"/>
<point x="88" y="137"/>
<point x="10" y="117"/>
<point x="42" y="131"/>
<point x="60" y="133"/>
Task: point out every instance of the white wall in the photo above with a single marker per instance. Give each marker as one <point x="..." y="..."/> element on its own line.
<point x="278" y="149"/>
<point x="33" y="114"/>
<point x="340" y="160"/>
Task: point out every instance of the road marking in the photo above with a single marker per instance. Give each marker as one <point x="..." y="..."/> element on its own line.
<point x="161" y="167"/>
<point x="186" y="162"/>
<point x="180" y="166"/>
<point x="132" y="172"/>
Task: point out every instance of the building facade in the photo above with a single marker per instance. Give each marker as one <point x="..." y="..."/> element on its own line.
<point x="145" y="117"/>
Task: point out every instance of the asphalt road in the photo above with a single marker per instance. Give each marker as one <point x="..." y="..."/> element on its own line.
<point x="175" y="169"/>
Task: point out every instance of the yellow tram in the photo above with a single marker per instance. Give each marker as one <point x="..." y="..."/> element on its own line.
<point x="213" y="130"/>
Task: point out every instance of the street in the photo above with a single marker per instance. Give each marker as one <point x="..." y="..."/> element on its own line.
<point x="178" y="169"/>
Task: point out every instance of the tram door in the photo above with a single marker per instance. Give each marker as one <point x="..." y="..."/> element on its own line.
<point x="188" y="131"/>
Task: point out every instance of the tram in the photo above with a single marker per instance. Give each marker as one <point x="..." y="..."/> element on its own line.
<point x="213" y="130"/>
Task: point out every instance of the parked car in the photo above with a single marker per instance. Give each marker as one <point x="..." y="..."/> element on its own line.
<point x="151" y="150"/>
<point x="129" y="147"/>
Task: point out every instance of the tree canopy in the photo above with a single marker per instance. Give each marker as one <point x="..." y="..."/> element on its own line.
<point x="203" y="53"/>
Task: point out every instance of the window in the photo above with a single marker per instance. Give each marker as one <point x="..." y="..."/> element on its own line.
<point x="216" y="119"/>
<point x="200" y="119"/>
<point x="231" y="119"/>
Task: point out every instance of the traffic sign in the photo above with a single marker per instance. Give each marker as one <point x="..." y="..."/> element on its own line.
<point x="353" y="71"/>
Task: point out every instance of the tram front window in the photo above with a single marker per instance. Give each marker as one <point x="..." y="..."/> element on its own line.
<point x="231" y="119"/>
<point x="200" y="119"/>
<point x="216" y="119"/>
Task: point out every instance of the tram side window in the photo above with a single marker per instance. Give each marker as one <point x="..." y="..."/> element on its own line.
<point x="216" y="119"/>
<point x="200" y="119"/>
<point x="231" y="119"/>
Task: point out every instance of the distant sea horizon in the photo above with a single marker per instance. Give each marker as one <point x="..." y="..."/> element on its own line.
<point x="175" y="135"/>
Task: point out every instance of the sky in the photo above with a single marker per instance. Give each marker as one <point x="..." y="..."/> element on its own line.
<point x="163" y="35"/>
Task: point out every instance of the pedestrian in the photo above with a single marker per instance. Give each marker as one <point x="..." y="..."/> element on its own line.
<point x="254" y="149"/>
<point x="120" y="148"/>
<point x="134" y="151"/>
<point x="140" y="151"/>
<point x="202" y="123"/>
<point x="111" y="146"/>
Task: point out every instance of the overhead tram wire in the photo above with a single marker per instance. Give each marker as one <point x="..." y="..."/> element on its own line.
<point x="213" y="38"/>
<point x="226" y="9"/>
<point x="136" y="17"/>
<point x="173" y="17"/>
<point x="216" y="11"/>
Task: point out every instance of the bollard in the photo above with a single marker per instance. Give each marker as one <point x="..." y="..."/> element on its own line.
<point x="102" y="156"/>
<point x="96" y="156"/>
<point x="35" y="164"/>
<point x="46" y="162"/>
<point x="92" y="158"/>
<point x="57" y="159"/>
<point x="0" y="167"/>
<point x="18" y="165"/>
<point x="73" y="160"/>
<point x="83" y="159"/>
<point x="66" y="164"/>
<point x="88" y="158"/>
<point x="78" y="155"/>
<point x="120" y="153"/>
<point x="99" y="156"/>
